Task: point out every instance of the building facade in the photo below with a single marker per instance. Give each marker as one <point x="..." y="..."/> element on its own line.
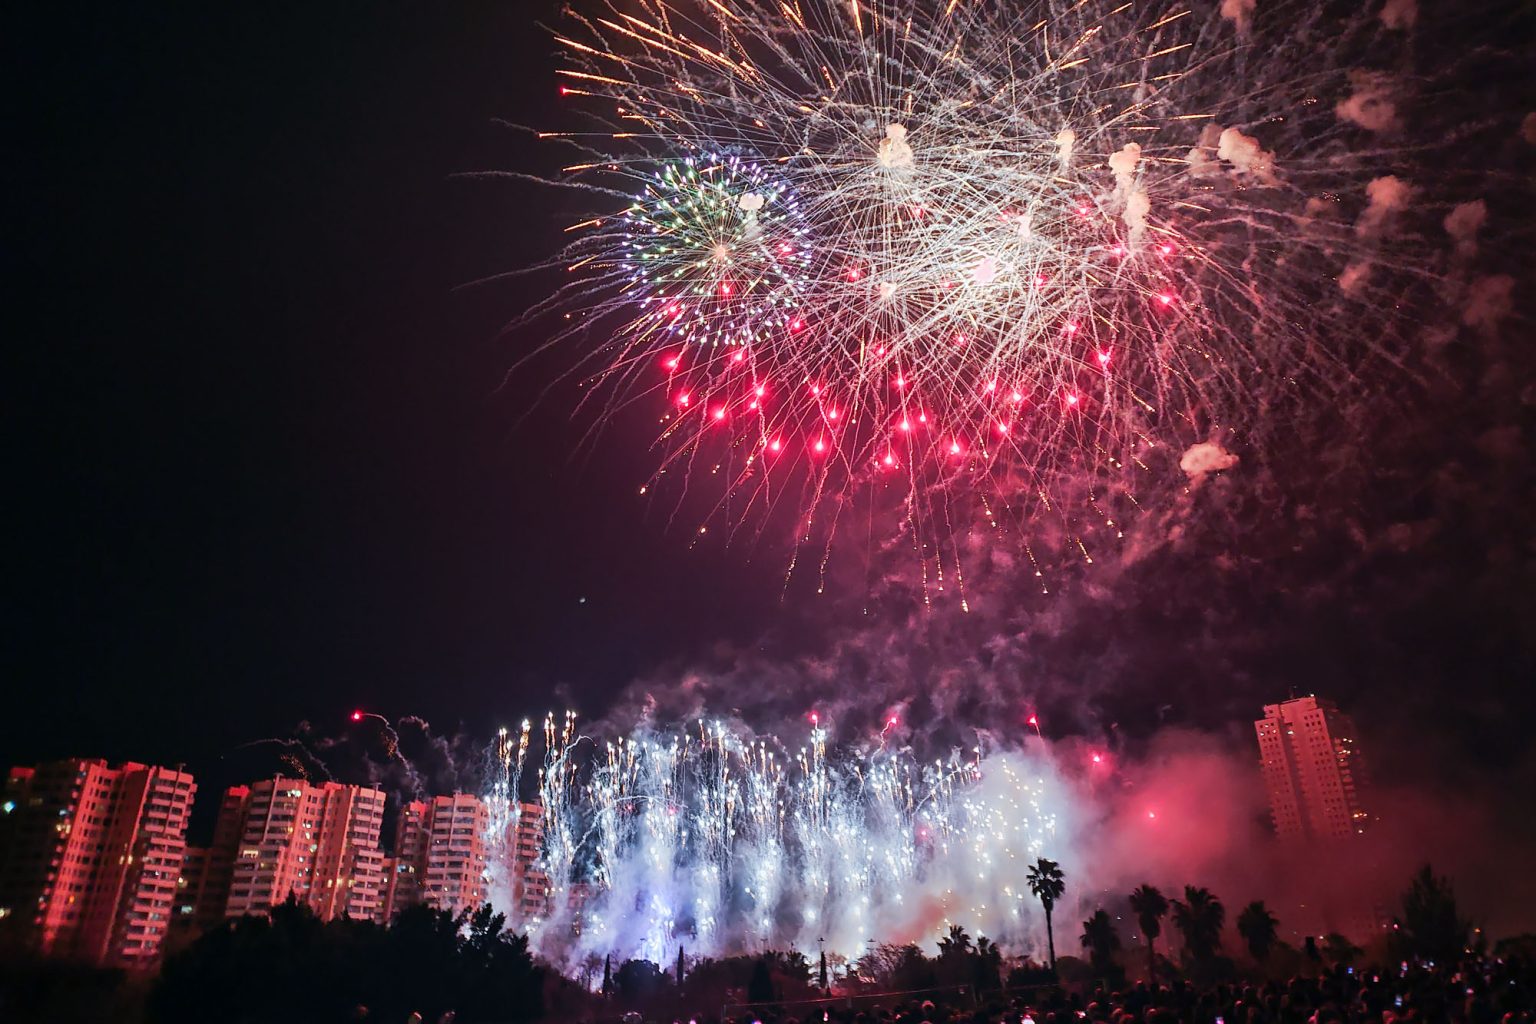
<point x="91" y="858"/>
<point x="530" y="885"/>
<point x="317" y="843"/>
<point x="1310" y="759"/>
<point x="440" y="855"/>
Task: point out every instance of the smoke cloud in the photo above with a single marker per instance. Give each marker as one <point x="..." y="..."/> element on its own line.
<point x="1386" y="196"/>
<point x="1400" y="14"/>
<point x="1204" y="458"/>
<point x="1239" y="12"/>
<point x="1372" y="104"/>
<point x="1489" y="301"/>
<point x="1463" y="223"/>
<point x="1246" y="156"/>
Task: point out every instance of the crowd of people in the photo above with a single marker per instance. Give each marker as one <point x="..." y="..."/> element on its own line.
<point x="1487" y="990"/>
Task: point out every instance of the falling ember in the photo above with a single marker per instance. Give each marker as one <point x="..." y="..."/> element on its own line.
<point x="887" y="175"/>
<point x="800" y="843"/>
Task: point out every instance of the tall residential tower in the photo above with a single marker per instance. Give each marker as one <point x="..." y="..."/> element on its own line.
<point x="1311" y="763"/>
<point x="91" y="858"/>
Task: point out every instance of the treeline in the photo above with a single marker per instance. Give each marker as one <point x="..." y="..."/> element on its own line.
<point x="295" y="967"/>
<point x="1429" y="926"/>
<point x="292" y="966"/>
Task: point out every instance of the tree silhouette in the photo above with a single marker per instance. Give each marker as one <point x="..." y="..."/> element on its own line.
<point x="1150" y="907"/>
<point x="1431" y="926"/>
<point x="760" y="988"/>
<point x="1101" y="942"/>
<point x="1047" y="883"/>
<point x="1258" y="927"/>
<point x="292" y="966"/>
<point x="989" y="964"/>
<point x="954" y="960"/>
<point x="638" y="980"/>
<point x="1339" y="951"/>
<point x="956" y="943"/>
<point x="1199" y="917"/>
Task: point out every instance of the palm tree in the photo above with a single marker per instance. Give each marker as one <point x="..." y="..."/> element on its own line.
<point x="989" y="963"/>
<point x="1150" y="906"/>
<point x="1258" y="926"/>
<point x="1047" y="883"/>
<point x="1339" y="951"/>
<point x="956" y="943"/>
<point x="1199" y="917"/>
<point x="1101" y="942"/>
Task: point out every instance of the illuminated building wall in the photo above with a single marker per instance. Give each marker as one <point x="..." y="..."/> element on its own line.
<point x="91" y="858"/>
<point x="440" y="854"/>
<point x="1311" y="764"/>
<point x="317" y="842"/>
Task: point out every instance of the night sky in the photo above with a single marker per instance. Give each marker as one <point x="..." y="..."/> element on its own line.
<point x="266" y="464"/>
<point x="268" y="469"/>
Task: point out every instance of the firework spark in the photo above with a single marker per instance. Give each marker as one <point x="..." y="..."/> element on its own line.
<point x="734" y="843"/>
<point x="991" y="259"/>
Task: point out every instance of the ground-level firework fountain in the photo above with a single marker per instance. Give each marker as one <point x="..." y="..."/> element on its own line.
<point x="727" y="843"/>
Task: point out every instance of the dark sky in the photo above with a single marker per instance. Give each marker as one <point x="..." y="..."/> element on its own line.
<point x="263" y="467"/>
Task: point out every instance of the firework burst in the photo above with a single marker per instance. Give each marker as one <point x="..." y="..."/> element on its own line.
<point x="730" y="842"/>
<point x="988" y="260"/>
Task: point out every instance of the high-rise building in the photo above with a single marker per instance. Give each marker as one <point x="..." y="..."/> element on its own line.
<point x="194" y="872"/>
<point x="440" y="855"/>
<point x="403" y="883"/>
<point x="1311" y="763"/>
<point x="209" y="889"/>
<point x="530" y="885"/>
<point x="91" y="857"/>
<point x="318" y="843"/>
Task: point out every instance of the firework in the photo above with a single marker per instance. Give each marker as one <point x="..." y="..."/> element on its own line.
<point x="728" y="843"/>
<point x="989" y="258"/>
